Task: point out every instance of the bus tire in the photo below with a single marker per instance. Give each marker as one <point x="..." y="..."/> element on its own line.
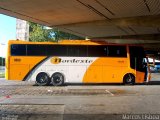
<point x="57" y="79"/>
<point x="42" y="79"/>
<point x="129" y="79"/>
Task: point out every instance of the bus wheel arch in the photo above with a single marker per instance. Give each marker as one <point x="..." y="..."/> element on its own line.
<point x="57" y="79"/>
<point x="42" y="79"/>
<point x="129" y="78"/>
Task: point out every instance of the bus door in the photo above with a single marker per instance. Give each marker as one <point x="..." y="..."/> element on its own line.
<point x="137" y="58"/>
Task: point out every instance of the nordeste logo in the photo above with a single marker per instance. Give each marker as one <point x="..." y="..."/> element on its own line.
<point x="57" y="60"/>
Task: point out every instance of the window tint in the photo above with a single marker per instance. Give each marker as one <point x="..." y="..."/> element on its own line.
<point x="69" y="50"/>
<point x="117" y="51"/>
<point x="97" y="51"/>
<point x="82" y="51"/>
<point x="46" y="50"/>
<point x="77" y="51"/>
<point x="18" y="50"/>
<point x="36" y="50"/>
<point x="56" y="50"/>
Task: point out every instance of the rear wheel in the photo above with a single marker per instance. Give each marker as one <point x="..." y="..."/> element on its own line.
<point x="129" y="79"/>
<point x="57" y="79"/>
<point x="42" y="79"/>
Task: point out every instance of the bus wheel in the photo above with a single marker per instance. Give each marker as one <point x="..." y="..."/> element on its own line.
<point x="42" y="79"/>
<point x="129" y="79"/>
<point x="57" y="79"/>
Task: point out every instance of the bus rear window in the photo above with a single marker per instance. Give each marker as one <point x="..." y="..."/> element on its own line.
<point x="18" y="50"/>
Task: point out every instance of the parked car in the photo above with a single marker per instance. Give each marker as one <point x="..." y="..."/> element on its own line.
<point x="155" y="69"/>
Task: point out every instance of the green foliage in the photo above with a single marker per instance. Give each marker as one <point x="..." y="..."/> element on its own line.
<point x="2" y="61"/>
<point x="39" y="33"/>
<point x="2" y="75"/>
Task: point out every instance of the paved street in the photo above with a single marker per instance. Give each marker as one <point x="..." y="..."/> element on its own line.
<point x="24" y="100"/>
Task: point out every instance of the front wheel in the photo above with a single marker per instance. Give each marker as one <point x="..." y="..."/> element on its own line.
<point x="129" y="79"/>
<point x="42" y="79"/>
<point x="57" y="79"/>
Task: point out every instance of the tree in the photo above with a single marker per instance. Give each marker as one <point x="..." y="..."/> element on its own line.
<point x="41" y="33"/>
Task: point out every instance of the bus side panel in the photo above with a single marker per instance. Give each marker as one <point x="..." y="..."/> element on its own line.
<point x="113" y="74"/>
<point x="106" y="70"/>
<point x="76" y="73"/>
<point x="48" y="68"/>
<point x="94" y="74"/>
<point x="17" y="72"/>
<point x="20" y="66"/>
<point x="71" y="67"/>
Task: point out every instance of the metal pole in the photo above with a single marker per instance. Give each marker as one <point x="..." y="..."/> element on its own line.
<point x="2" y="61"/>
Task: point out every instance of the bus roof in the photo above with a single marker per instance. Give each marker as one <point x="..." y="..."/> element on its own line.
<point x="68" y="42"/>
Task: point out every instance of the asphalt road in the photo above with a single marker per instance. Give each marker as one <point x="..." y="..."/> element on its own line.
<point x="23" y="100"/>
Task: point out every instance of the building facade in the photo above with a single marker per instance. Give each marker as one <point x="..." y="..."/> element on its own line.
<point x="22" y="30"/>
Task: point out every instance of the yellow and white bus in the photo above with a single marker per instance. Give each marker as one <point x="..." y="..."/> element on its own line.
<point x="74" y="61"/>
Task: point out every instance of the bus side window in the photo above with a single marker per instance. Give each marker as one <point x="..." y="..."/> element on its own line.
<point x="36" y="50"/>
<point x="73" y="50"/>
<point x="82" y="51"/>
<point x="56" y="50"/>
<point x="117" y="51"/>
<point x="77" y="51"/>
<point x="97" y="51"/>
<point x="46" y="50"/>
